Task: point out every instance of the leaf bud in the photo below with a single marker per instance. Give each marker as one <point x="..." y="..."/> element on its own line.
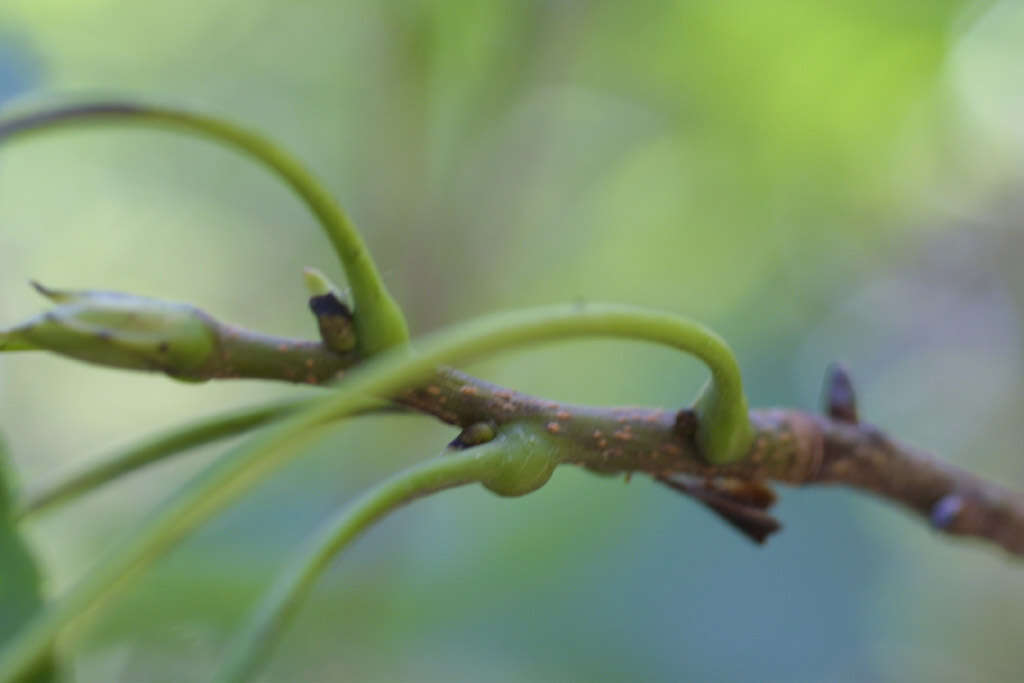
<point x="119" y="330"/>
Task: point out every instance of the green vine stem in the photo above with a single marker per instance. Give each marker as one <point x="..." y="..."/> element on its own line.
<point x="246" y="466"/>
<point x="723" y="432"/>
<point x="159" y="447"/>
<point x="504" y="456"/>
<point x="152" y="450"/>
<point x="379" y="321"/>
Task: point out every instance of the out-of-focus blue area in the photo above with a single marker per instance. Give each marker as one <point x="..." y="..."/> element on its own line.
<point x="816" y="181"/>
<point x="18" y="67"/>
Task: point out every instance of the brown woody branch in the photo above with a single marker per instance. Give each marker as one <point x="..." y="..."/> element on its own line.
<point x="791" y="447"/>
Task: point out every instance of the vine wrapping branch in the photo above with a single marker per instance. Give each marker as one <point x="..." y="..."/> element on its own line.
<point x="717" y="446"/>
<point x="385" y="375"/>
<point x="787" y="446"/>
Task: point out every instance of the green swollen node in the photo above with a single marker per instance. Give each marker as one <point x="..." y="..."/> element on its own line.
<point x="527" y="457"/>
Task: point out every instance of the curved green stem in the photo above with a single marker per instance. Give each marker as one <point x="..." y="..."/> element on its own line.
<point x="154" y="449"/>
<point x="389" y="373"/>
<point x="160" y="446"/>
<point x="252" y="645"/>
<point x="379" y="320"/>
<point x="724" y="432"/>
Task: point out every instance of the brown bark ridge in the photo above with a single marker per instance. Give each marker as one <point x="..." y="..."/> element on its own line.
<point x="791" y="447"/>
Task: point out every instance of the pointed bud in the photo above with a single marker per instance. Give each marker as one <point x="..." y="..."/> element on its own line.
<point x="840" y="398"/>
<point x="474" y="435"/>
<point x="317" y="283"/>
<point x="119" y="330"/>
<point x="333" y="317"/>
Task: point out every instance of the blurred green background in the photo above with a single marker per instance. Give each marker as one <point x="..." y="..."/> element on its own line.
<point x="816" y="180"/>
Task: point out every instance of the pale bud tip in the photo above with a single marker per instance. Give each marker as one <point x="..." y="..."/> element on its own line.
<point x="316" y="282"/>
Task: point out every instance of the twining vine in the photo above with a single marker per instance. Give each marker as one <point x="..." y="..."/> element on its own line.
<point x="715" y="449"/>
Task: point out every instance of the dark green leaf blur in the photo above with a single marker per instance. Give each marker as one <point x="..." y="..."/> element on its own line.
<point x="21" y="583"/>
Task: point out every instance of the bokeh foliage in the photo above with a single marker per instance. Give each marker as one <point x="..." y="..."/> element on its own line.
<point x="816" y="180"/>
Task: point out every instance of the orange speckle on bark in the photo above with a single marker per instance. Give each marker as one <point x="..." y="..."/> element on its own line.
<point x="554" y="427"/>
<point x="671" y="449"/>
